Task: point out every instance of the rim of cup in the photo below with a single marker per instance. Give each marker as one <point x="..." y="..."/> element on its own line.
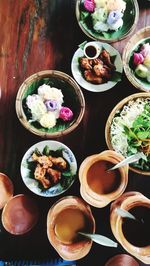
<point x="95" y="46"/>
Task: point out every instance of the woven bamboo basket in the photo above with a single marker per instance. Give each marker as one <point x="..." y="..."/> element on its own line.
<point x="77" y="97"/>
<point x="109" y="122"/>
<point x="101" y="38"/>
<point x="132" y="43"/>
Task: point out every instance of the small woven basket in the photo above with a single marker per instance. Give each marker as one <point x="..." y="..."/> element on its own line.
<point x="135" y="39"/>
<point x="77" y="98"/>
<point x="100" y="38"/>
<point x="109" y="122"/>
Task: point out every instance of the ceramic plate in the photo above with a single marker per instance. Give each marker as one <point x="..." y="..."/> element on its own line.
<point x="79" y="77"/>
<point x="60" y="187"/>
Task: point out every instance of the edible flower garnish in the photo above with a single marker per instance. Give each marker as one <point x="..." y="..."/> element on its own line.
<point x="66" y="114"/>
<point x="141" y="61"/>
<point x="46" y="106"/>
<point x="138" y="58"/>
<point x="106" y="15"/>
<point x="89" y="5"/>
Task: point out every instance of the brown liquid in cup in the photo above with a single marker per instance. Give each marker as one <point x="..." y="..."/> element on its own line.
<point x="102" y="181"/>
<point x="90" y="51"/>
<point x="136" y="231"/>
<point x="68" y="223"/>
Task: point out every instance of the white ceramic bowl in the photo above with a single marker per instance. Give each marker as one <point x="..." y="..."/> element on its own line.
<point x="79" y="77"/>
<point x="59" y="188"/>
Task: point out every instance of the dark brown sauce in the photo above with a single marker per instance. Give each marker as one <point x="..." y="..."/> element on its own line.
<point x="137" y="232"/>
<point x="90" y="51"/>
<point x="69" y="222"/>
<point x="102" y="181"/>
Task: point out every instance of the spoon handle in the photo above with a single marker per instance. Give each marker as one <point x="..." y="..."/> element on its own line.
<point x="130" y="159"/>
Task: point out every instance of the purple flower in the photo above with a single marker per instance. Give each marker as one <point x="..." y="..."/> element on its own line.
<point x="51" y="105"/>
<point x="114" y="16"/>
<point x="89" y="5"/>
<point x="65" y="114"/>
<point x="137" y="59"/>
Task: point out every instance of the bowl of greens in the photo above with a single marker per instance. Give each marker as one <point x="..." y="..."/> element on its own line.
<point x="50" y="104"/>
<point x="127" y="130"/>
<point x="48" y="168"/>
<point x="136" y="59"/>
<point x="107" y="20"/>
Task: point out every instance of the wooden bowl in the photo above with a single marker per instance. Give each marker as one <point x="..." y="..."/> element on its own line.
<point x="70" y="250"/>
<point x="73" y="96"/>
<point x="122" y="260"/>
<point x="126" y="30"/>
<point x="118" y="107"/>
<point x="126" y="202"/>
<point x="20" y="214"/>
<point x="98" y="198"/>
<point x="6" y="189"/>
<point x="134" y="42"/>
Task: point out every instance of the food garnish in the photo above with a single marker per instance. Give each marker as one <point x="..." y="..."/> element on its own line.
<point x="130" y="131"/>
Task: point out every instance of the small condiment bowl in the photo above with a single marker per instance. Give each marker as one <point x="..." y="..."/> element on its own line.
<point x="72" y="96"/>
<point x="115" y="113"/>
<point x="91" y="50"/>
<point x="127" y="202"/>
<point x="70" y="250"/>
<point x="122" y="260"/>
<point x="100" y="195"/>
<point x="138" y="38"/>
<point x="20" y="215"/>
<point x="6" y="189"/>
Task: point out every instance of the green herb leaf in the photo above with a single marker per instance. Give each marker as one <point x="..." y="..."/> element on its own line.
<point x="116" y="77"/>
<point x="99" y="239"/>
<point x="82" y="45"/>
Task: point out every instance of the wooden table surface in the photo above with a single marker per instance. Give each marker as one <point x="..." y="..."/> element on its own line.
<point x="37" y="35"/>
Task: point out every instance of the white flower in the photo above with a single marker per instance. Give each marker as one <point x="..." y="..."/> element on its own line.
<point x="101" y="26"/>
<point x="31" y="99"/>
<point x="48" y="120"/>
<point x="38" y="109"/>
<point x="100" y="3"/>
<point x="118" y="24"/>
<point x="99" y="15"/>
<point x="50" y="93"/>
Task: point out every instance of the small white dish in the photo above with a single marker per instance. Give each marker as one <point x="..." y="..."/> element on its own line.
<point x="32" y="183"/>
<point x="79" y="77"/>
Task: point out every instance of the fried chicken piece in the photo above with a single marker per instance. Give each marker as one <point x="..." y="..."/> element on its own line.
<point x="102" y="71"/>
<point x="97" y="61"/>
<point x="85" y="63"/>
<point x="54" y="174"/>
<point x="105" y="57"/>
<point x="43" y="160"/>
<point x="39" y="174"/>
<point x="91" y="77"/>
<point x="59" y="162"/>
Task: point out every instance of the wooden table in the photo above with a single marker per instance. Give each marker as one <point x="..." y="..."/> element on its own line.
<point x="37" y="35"/>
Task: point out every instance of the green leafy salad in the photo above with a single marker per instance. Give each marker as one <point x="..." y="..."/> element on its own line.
<point x="130" y="131"/>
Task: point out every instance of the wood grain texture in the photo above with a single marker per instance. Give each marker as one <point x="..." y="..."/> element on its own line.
<point x="43" y="34"/>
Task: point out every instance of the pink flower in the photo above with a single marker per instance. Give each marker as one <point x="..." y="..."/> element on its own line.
<point x="138" y="58"/>
<point x="89" y="5"/>
<point x="65" y="114"/>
